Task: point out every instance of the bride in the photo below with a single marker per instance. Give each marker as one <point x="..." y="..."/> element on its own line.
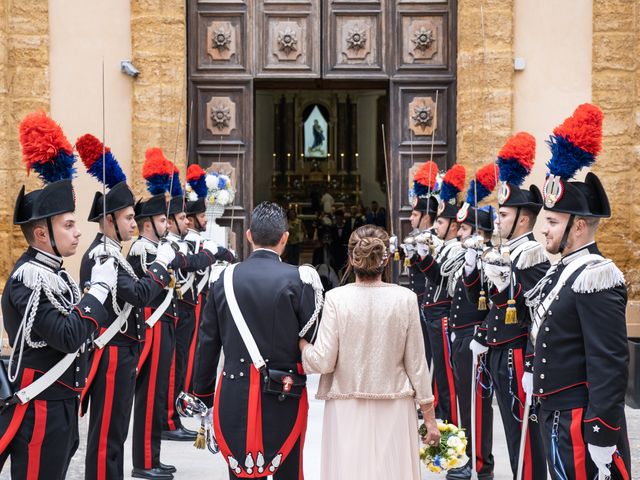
<point x="370" y="353"/>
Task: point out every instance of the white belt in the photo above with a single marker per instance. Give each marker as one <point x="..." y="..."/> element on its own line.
<point x="151" y="321"/>
<point x="203" y="281"/>
<point x="114" y="328"/>
<point x="186" y="286"/>
<point x="41" y="384"/>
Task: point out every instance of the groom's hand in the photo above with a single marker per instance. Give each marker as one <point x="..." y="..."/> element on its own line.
<point x="302" y="343"/>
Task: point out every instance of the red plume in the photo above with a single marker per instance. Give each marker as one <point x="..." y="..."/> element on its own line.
<point x="155" y="163"/>
<point x="426" y="174"/>
<point x="90" y="149"/>
<point x="194" y="172"/>
<point x="583" y="128"/>
<point x="41" y="139"/>
<point x="522" y="148"/>
<point x="456" y="176"/>
<point x="487" y="176"/>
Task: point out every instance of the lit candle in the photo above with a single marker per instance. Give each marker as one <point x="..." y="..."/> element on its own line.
<point x="355" y="163"/>
<point x="275" y="162"/>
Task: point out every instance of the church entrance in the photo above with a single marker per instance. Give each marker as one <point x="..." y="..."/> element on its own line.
<point x="288" y="99"/>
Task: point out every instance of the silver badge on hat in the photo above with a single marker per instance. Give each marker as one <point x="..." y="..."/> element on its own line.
<point x="504" y="192"/>
<point x="553" y="191"/>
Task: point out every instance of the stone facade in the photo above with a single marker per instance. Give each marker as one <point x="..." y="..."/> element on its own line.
<point x="24" y="87"/>
<point x="485" y="80"/>
<point x="616" y="89"/>
<point x="158" y="37"/>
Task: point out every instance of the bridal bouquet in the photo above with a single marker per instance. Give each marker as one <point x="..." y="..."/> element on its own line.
<point x="450" y="453"/>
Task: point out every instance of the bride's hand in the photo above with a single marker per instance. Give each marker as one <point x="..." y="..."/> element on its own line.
<point x="302" y="343"/>
<point x="433" y="434"/>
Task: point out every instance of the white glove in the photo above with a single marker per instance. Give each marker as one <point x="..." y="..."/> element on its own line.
<point x="527" y="383"/>
<point x="183" y="247"/>
<point x="103" y="278"/>
<point x="393" y="244"/>
<point x="409" y="250"/>
<point x="602" y="457"/>
<point x="470" y="260"/>
<point x="165" y="254"/>
<point x="208" y="417"/>
<point x="498" y="274"/>
<point x="210" y="246"/>
<point x="477" y="348"/>
<point x="423" y="249"/>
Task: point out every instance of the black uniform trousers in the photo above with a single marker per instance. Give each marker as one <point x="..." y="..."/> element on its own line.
<point x="152" y="383"/>
<point x="290" y="469"/>
<point x="425" y="337"/>
<point x="566" y="451"/>
<point x="193" y="343"/>
<point x="113" y="380"/>
<point x="185" y="327"/>
<point x="45" y="440"/>
<point x="445" y="390"/>
<point x="462" y="373"/>
<point x="506" y="366"/>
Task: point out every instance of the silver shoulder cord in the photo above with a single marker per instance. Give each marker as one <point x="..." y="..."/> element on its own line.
<point x="64" y="305"/>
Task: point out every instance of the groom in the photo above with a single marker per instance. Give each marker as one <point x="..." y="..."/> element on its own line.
<point x="259" y="414"/>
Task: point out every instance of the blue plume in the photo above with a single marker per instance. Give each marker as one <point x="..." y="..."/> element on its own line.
<point x="199" y="186"/>
<point x="176" y="188"/>
<point x="420" y="189"/>
<point x="566" y="158"/>
<point x="448" y="192"/>
<point x="158" y="184"/>
<point x="511" y="171"/>
<point x="113" y="172"/>
<point x="59" y="168"/>
<point x="481" y="194"/>
<point x="222" y="183"/>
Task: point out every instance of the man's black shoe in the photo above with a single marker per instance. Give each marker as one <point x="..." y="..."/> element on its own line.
<point x="155" y="473"/>
<point x="179" y="435"/>
<point x="167" y="468"/>
<point x="463" y="473"/>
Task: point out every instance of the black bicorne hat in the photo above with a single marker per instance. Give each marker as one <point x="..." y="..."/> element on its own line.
<point x="177" y="204"/>
<point x="118" y="197"/>
<point x="467" y="214"/>
<point x="54" y="199"/>
<point x="156" y="205"/>
<point x="427" y="205"/>
<point x="448" y="210"/>
<point x="510" y="195"/>
<point x="194" y="207"/>
<point x="585" y="199"/>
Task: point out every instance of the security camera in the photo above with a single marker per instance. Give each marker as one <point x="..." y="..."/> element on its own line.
<point x="127" y="67"/>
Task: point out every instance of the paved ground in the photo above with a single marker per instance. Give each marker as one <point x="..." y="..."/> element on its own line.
<point x="192" y="463"/>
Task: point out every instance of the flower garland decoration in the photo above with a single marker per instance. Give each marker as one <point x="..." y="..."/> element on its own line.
<point x="219" y="189"/>
<point x="450" y="453"/>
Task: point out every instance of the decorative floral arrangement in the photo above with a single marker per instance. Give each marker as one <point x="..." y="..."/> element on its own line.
<point x="450" y="453"/>
<point x="215" y="187"/>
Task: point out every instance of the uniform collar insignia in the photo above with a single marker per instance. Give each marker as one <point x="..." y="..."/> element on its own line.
<point x="111" y="242"/>
<point x="145" y="239"/>
<point x="520" y="240"/>
<point x="581" y="252"/>
<point x="45" y="258"/>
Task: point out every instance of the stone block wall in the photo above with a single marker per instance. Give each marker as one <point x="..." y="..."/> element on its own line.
<point x="24" y="87"/>
<point x="616" y="89"/>
<point x="158" y="31"/>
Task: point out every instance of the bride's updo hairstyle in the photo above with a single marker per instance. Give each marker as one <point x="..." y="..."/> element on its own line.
<point x="369" y="251"/>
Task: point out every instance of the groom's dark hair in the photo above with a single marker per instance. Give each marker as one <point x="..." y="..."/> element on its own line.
<point x="268" y="223"/>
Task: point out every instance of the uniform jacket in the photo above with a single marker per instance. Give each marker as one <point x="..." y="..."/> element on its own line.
<point x="276" y="305"/>
<point x="63" y="334"/>
<point x="138" y="293"/>
<point x="528" y="267"/>
<point x="437" y="301"/>
<point x="581" y="351"/>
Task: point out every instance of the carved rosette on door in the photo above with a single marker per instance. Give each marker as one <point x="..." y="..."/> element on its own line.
<point x="221" y="115"/>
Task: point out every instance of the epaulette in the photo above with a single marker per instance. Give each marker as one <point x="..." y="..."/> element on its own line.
<point x="140" y="247"/>
<point x="32" y="275"/>
<point x="309" y="276"/>
<point x="598" y="276"/>
<point x="532" y="256"/>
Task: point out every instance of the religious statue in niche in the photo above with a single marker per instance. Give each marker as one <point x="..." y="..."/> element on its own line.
<point x="316" y="134"/>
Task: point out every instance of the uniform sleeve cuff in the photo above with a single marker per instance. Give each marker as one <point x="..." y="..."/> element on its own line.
<point x="159" y="274"/>
<point x="600" y="433"/>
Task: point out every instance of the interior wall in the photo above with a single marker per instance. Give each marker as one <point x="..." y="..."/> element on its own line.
<point x="368" y="123"/>
<point x="264" y="145"/>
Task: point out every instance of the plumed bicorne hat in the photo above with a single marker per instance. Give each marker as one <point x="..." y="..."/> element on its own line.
<point x="479" y="188"/>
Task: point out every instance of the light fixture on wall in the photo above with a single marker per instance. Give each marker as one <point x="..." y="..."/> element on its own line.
<point x="127" y="67"/>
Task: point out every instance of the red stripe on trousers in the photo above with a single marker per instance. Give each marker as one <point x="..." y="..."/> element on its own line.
<point x="171" y="393"/>
<point x="518" y="360"/>
<point x="299" y="428"/>
<point x="106" y="412"/>
<point x="577" y="444"/>
<point x="222" y="443"/>
<point x="254" y="415"/>
<point x="478" y="439"/>
<point x="447" y="365"/>
<point x="35" y="444"/>
<point x="97" y="355"/>
<point x="151" y="393"/>
<point x="148" y="337"/>
<point x="18" y="413"/>
<point x="192" y="348"/>
<point x="619" y="463"/>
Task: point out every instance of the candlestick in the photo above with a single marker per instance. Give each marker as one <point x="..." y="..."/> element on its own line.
<point x="275" y="162"/>
<point x="355" y="163"/>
